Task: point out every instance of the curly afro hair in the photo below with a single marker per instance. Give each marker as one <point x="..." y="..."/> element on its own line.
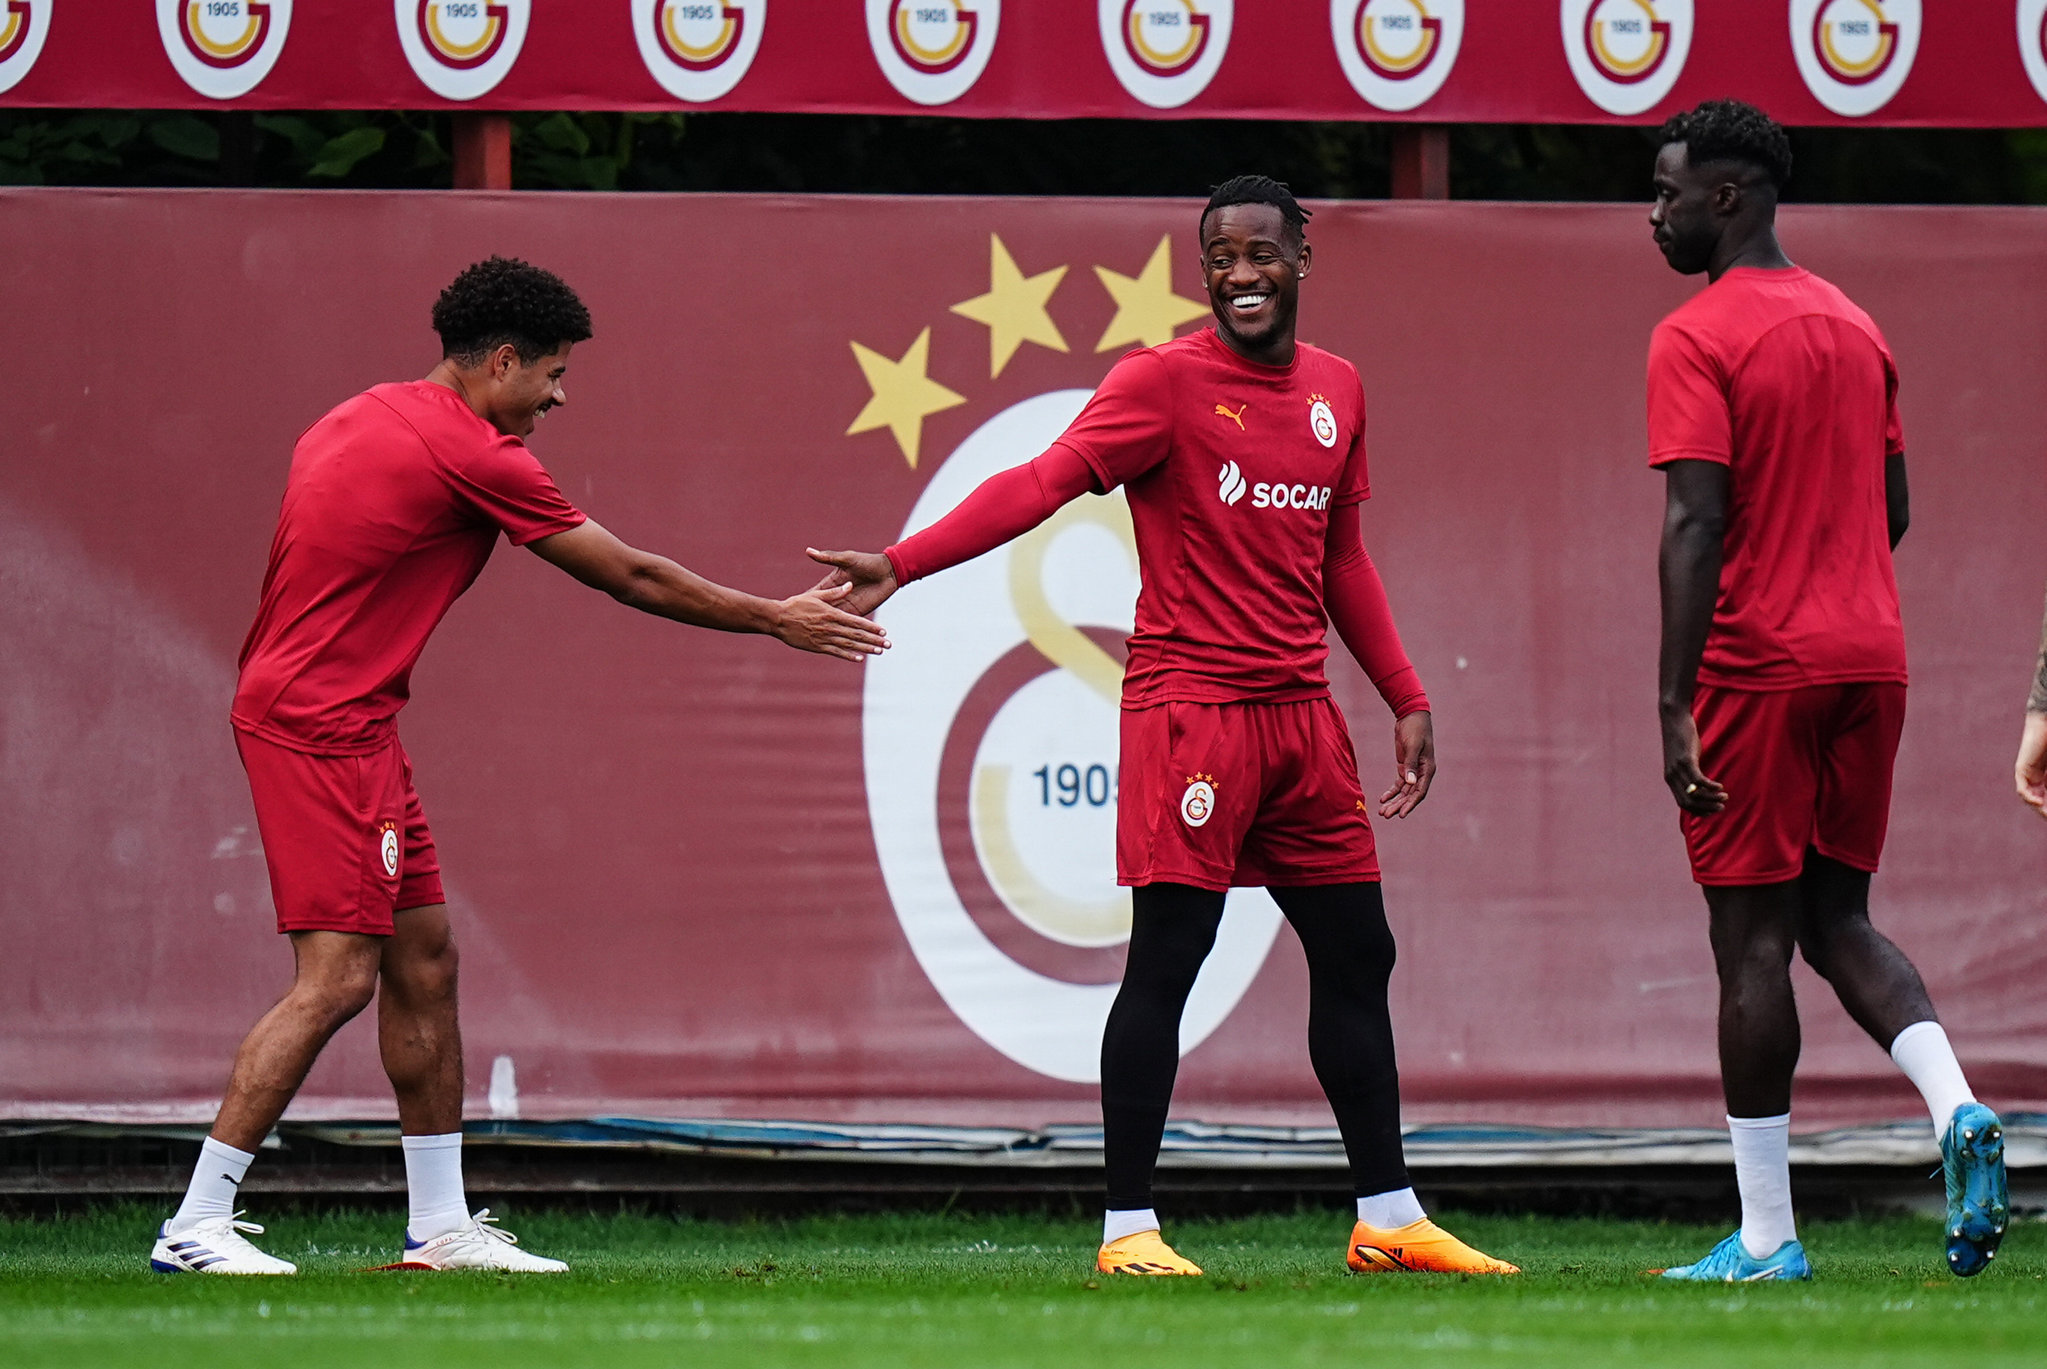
<point x="1259" y="190"/>
<point x="501" y="300"/>
<point x="1731" y="131"/>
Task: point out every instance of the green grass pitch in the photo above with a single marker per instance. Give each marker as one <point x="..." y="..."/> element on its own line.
<point x="964" y="1291"/>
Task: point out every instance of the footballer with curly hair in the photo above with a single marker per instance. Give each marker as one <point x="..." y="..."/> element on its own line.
<point x="1242" y="452"/>
<point x="1773" y="415"/>
<point x="393" y="503"/>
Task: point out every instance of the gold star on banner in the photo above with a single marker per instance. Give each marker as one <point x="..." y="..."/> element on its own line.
<point x="1014" y="307"/>
<point x="1147" y="310"/>
<point x="903" y="395"/>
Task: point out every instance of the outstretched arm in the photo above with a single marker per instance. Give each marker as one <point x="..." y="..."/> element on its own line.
<point x="812" y="621"/>
<point x="1004" y="506"/>
<point x="2031" y="770"/>
<point x="1688" y="565"/>
<point x="1358" y="608"/>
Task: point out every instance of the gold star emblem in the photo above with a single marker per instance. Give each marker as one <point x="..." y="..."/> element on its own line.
<point x="1014" y="307"/>
<point x="1147" y="310"/>
<point x="903" y="395"/>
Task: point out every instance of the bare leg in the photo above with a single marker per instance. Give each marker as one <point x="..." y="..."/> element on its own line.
<point x="418" y="1033"/>
<point x="1874" y="981"/>
<point x="335" y="977"/>
<point x="1754" y="928"/>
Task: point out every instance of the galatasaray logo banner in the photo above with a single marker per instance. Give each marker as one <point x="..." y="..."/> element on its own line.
<point x="461" y="49"/>
<point x="1855" y="55"/>
<point x="1627" y="54"/>
<point x="1165" y="52"/>
<point x="699" y="50"/>
<point x="932" y="51"/>
<point x="1397" y="53"/>
<point x="24" y="24"/>
<point x="223" y="48"/>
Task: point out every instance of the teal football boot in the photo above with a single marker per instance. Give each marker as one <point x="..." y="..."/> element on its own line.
<point x="1978" y="1207"/>
<point x="1730" y="1262"/>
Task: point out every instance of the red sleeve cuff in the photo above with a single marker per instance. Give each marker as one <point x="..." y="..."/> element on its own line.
<point x="898" y="564"/>
<point x="1403" y="693"/>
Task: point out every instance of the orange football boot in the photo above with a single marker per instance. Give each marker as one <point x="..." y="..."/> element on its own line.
<point x="1418" y="1248"/>
<point x="1144" y="1252"/>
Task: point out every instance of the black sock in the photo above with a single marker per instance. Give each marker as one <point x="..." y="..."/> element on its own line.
<point x="1350" y="952"/>
<point x="1172" y="928"/>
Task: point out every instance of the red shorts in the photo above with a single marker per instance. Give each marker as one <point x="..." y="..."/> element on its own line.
<point x="1807" y="767"/>
<point x="344" y="836"/>
<point x="1241" y="794"/>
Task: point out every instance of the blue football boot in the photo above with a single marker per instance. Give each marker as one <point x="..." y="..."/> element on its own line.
<point x="1978" y="1207"/>
<point x="1730" y="1262"/>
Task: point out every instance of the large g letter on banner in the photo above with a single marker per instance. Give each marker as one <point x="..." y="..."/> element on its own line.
<point x="989" y="733"/>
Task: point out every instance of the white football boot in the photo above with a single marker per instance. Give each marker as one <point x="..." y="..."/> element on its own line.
<point x="214" y="1246"/>
<point x="479" y="1245"/>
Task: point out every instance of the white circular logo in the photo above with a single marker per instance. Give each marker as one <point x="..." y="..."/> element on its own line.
<point x="698" y="50"/>
<point x="932" y="51"/>
<point x="222" y="48"/>
<point x="1627" y="54"/>
<point x="1854" y="54"/>
<point x="461" y="49"/>
<point x="24" y="25"/>
<point x="2032" y="44"/>
<point x="1322" y="422"/>
<point x="390" y="850"/>
<point x="1397" y="53"/>
<point x="1197" y="805"/>
<point x="989" y="732"/>
<point x="1165" y="52"/>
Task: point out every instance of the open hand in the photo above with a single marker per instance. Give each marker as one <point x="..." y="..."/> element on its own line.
<point x="869" y="577"/>
<point x="1689" y="785"/>
<point x="2030" y="772"/>
<point x="816" y="620"/>
<point x="1414" y="761"/>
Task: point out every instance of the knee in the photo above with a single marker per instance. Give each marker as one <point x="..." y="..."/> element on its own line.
<point x="431" y="975"/>
<point x="333" y="999"/>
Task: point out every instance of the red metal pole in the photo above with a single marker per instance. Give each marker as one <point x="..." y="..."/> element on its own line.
<point x="1421" y="162"/>
<point x="483" y="151"/>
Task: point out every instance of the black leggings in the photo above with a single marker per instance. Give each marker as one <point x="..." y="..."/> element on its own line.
<point x="1343" y="929"/>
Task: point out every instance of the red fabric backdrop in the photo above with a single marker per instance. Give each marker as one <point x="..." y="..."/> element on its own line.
<point x="1982" y="63"/>
<point x="659" y="844"/>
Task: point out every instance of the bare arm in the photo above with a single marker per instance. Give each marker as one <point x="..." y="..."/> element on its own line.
<point x="2030" y="772"/>
<point x="654" y="584"/>
<point x="1897" y="498"/>
<point x="1688" y="566"/>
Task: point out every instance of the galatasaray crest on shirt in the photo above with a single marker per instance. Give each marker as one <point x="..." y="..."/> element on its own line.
<point x="222" y="48"/>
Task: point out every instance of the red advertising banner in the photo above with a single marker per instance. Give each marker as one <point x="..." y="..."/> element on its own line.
<point x="698" y="875"/>
<point x="1889" y="62"/>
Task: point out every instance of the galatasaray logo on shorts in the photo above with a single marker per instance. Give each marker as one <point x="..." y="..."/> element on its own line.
<point x="1626" y="54"/>
<point x="1197" y="805"/>
<point x="1397" y="53"/>
<point x="24" y="24"/>
<point x="698" y="49"/>
<point x="932" y="51"/>
<point x="990" y="739"/>
<point x="387" y="849"/>
<point x="461" y="49"/>
<point x="1165" y="52"/>
<point x="1855" y="54"/>
<point x="2032" y="44"/>
<point x="223" y="48"/>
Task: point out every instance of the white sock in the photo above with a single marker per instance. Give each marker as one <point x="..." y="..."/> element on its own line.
<point x="1923" y="1052"/>
<point x="433" y="1186"/>
<point x="215" y="1180"/>
<point x="1116" y="1224"/>
<point x="1391" y="1211"/>
<point x="1762" y="1171"/>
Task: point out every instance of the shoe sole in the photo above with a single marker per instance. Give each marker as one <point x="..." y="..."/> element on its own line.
<point x="1975" y="1232"/>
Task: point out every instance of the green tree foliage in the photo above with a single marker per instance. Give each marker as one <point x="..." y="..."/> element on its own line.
<point x="794" y="153"/>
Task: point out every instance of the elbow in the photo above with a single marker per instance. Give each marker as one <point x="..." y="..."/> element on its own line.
<point x="1695" y="527"/>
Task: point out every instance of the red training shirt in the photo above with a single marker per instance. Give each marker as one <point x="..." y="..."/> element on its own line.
<point x="394" y="502"/>
<point x="1231" y="469"/>
<point x="1781" y="378"/>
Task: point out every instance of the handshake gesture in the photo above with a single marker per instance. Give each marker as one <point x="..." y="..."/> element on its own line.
<point x="866" y="578"/>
